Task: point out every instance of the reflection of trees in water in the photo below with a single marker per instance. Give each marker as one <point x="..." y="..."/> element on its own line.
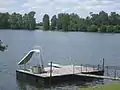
<point x="25" y="86"/>
<point x="21" y="85"/>
<point x="63" y="86"/>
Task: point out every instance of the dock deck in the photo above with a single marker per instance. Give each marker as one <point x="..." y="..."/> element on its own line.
<point x="65" y="73"/>
<point x="64" y="70"/>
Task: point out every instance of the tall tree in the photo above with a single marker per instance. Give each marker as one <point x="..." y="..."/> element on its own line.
<point x="65" y="22"/>
<point x="59" y="21"/>
<point x="53" y="22"/>
<point x="74" y="22"/>
<point x="46" y="23"/>
<point x="103" y="18"/>
<point x="31" y="20"/>
<point x="114" y="18"/>
<point x="13" y="20"/>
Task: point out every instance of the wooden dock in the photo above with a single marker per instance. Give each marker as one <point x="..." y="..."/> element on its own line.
<point x="99" y="77"/>
<point x="57" y="73"/>
<point x="65" y="73"/>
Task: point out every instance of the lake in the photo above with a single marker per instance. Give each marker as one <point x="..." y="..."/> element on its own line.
<point x="59" y="47"/>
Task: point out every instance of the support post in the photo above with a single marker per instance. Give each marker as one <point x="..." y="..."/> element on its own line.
<point x="24" y="66"/>
<point x="86" y="68"/>
<point x="93" y="67"/>
<point x="115" y="74"/>
<point x="81" y="67"/>
<point x="41" y="59"/>
<point x="73" y="69"/>
<point x="50" y="81"/>
<point x="103" y="64"/>
<point x="98" y="67"/>
<point x="107" y="71"/>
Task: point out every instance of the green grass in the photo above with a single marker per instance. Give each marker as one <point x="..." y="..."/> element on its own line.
<point x="114" y="86"/>
<point x="39" y="27"/>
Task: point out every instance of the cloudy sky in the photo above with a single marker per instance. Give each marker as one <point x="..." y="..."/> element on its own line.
<point x="51" y="7"/>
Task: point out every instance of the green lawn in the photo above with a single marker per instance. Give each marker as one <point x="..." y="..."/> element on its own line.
<point x="39" y="27"/>
<point x="114" y="86"/>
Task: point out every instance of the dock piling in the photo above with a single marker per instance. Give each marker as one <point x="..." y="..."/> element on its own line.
<point x="107" y="71"/>
<point x="81" y="67"/>
<point x="93" y="67"/>
<point x="103" y="64"/>
<point x="86" y="67"/>
<point x="98" y="67"/>
<point x="115" y="74"/>
<point x="50" y="81"/>
<point x="73" y="69"/>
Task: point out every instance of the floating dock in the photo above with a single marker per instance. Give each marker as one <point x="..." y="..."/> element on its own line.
<point x="55" y="73"/>
<point x="58" y="75"/>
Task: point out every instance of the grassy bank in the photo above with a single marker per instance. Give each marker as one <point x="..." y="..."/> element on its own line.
<point x="39" y="27"/>
<point x="114" y="86"/>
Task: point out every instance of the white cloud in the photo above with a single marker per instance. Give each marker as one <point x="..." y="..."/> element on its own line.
<point x="51" y="7"/>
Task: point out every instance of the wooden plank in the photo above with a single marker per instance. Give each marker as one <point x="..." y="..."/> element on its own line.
<point x="101" y="77"/>
<point x="64" y="70"/>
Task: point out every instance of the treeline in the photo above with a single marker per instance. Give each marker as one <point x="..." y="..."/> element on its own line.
<point x="101" y="22"/>
<point x="17" y="21"/>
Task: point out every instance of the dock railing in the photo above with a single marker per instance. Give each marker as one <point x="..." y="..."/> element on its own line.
<point x="94" y="67"/>
<point x="111" y="71"/>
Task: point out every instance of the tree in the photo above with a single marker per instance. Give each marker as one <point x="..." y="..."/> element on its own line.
<point x="114" y="18"/>
<point x="65" y="22"/>
<point x="5" y="22"/>
<point x="59" y="21"/>
<point x="53" y="22"/>
<point x="17" y="21"/>
<point x="74" y="22"/>
<point x="95" y="19"/>
<point x="103" y="18"/>
<point x="82" y="25"/>
<point x="46" y="24"/>
<point x="13" y="20"/>
<point x="100" y="19"/>
<point x="31" y="20"/>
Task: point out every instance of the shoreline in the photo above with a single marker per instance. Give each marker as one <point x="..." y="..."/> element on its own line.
<point x="57" y="31"/>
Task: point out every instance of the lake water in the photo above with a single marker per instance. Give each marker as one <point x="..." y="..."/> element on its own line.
<point x="59" y="47"/>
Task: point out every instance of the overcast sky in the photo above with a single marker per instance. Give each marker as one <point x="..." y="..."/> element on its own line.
<point x="51" y="7"/>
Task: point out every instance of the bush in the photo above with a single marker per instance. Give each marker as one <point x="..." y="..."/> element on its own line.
<point x="102" y="28"/>
<point x="117" y="29"/>
<point x="92" y="28"/>
<point x="83" y="28"/>
<point x="110" y="29"/>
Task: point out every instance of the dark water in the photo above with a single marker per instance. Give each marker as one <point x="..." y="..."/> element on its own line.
<point x="59" y="47"/>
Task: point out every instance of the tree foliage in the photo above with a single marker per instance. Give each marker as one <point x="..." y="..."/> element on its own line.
<point x="95" y="22"/>
<point x="100" y="22"/>
<point x="17" y="21"/>
<point x="46" y="24"/>
<point x="53" y="22"/>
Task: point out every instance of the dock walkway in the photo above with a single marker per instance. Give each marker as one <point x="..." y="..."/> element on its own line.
<point x="71" y="70"/>
<point x="64" y="70"/>
<point x="62" y="74"/>
<point x="98" y="76"/>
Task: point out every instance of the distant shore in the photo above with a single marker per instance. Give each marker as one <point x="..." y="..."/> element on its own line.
<point x="56" y="30"/>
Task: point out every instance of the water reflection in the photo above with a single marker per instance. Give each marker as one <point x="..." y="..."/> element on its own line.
<point x="26" y="86"/>
<point x="61" y="86"/>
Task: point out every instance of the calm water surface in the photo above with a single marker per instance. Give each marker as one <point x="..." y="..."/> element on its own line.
<point x="59" y="47"/>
